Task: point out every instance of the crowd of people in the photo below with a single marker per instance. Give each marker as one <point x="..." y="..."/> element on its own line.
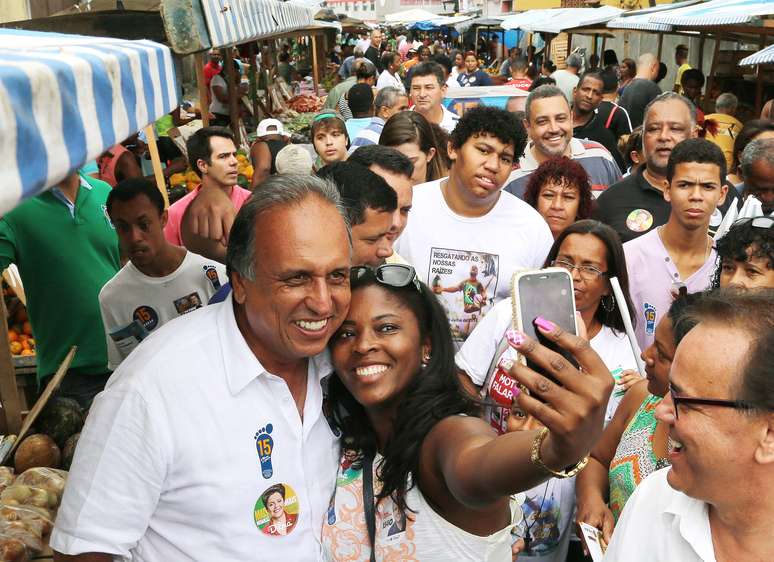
<point x="303" y="370"/>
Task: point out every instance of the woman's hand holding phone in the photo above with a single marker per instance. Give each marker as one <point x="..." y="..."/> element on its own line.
<point x="572" y="405"/>
<point x="596" y="513"/>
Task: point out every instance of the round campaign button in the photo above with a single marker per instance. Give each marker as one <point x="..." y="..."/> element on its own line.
<point x="639" y="220"/>
<point x="716" y="218"/>
<point x="146" y="316"/>
<point x="276" y="511"/>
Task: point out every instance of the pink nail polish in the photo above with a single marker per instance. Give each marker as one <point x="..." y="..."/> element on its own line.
<point x="545" y="325"/>
<point x="514" y="338"/>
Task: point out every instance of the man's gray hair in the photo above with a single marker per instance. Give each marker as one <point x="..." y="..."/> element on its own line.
<point x="757" y="151"/>
<point x="574" y="61"/>
<point x="277" y="191"/>
<point x="726" y="102"/>
<point x="668" y="96"/>
<point x="542" y="92"/>
<point x="387" y="97"/>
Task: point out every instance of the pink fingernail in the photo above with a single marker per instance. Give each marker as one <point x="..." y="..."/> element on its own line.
<point x="545" y="325"/>
<point x="514" y="338"/>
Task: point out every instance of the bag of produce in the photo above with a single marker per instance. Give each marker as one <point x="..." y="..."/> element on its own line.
<point x="6" y="477"/>
<point x="34" y="514"/>
<point x="50" y="479"/>
<point x="28" y="531"/>
<point x="13" y="550"/>
<point x="30" y="496"/>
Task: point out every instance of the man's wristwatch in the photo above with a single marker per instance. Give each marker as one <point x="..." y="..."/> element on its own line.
<point x="535" y="458"/>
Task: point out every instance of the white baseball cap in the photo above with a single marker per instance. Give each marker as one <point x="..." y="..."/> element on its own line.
<point x="294" y="159"/>
<point x="271" y="127"/>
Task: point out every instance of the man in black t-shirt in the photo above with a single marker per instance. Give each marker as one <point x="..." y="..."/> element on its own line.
<point x="615" y="117"/>
<point x="587" y="123"/>
<point x="642" y="90"/>
<point x="373" y="53"/>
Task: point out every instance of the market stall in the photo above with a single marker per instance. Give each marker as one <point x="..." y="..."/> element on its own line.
<point x="65" y="100"/>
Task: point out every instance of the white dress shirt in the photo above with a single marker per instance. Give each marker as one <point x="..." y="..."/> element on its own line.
<point x="168" y="465"/>
<point x="660" y="524"/>
<point x="387" y="79"/>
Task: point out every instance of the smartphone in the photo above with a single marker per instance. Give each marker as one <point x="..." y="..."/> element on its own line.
<point x="547" y="293"/>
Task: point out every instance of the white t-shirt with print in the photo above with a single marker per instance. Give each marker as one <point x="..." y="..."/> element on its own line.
<point x="133" y="304"/>
<point x="469" y="261"/>
<point x="476" y="354"/>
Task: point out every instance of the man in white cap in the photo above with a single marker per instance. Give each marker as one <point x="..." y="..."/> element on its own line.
<point x="271" y="139"/>
<point x="294" y="159"/>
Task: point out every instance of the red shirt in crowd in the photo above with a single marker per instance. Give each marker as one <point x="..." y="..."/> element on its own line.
<point x="520" y="83"/>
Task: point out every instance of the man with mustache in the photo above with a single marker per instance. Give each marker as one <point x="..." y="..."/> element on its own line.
<point x="636" y="204"/>
<point x="159" y="282"/>
<point x="549" y="122"/>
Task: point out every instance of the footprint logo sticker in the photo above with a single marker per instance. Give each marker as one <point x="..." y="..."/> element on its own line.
<point x="265" y="446"/>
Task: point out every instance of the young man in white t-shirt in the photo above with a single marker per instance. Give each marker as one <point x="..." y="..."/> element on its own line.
<point x="681" y="251"/>
<point x="466" y="236"/>
<point x="159" y="282"/>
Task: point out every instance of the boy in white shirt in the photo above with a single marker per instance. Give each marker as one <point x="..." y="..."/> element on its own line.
<point x="159" y="282"/>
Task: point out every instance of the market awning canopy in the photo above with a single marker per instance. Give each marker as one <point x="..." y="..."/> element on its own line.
<point x="764" y="56"/>
<point x="716" y="12"/>
<point x="640" y="19"/>
<point x="233" y="23"/>
<point x="65" y="99"/>
<point x="410" y="16"/>
<point x="439" y="22"/>
<point x="560" y="19"/>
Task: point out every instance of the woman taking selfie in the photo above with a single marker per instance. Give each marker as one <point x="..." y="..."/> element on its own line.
<point x="560" y="191"/>
<point x="425" y="454"/>
<point x="592" y="252"/>
<point x="634" y="444"/>
<point x="411" y="135"/>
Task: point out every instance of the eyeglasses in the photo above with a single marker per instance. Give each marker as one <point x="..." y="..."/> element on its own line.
<point x="587" y="272"/>
<point x="397" y="275"/>
<point x="764" y="223"/>
<point x="677" y="399"/>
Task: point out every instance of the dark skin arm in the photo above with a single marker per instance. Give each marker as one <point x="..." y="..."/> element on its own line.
<point x="467" y="472"/>
<point x="260" y="156"/>
<point x="85" y="557"/>
<point x="592" y="486"/>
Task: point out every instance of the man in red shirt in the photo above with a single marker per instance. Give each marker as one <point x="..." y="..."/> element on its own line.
<point x="519" y="74"/>
<point x="211" y="68"/>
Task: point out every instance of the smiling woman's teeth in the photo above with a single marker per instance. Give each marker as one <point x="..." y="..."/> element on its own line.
<point x="676" y="446"/>
<point x="312" y="326"/>
<point x="370" y="371"/>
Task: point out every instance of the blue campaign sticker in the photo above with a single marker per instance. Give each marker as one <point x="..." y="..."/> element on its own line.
<point x="650" y="318"/>
<point x="212" y="276"/>
<point x="265" y="447"/>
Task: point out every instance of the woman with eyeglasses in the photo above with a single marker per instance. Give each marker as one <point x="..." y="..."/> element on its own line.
<point x="746" y="255"/>
<point x="423" y="452"/>
<point x="593" y="253"/>
<point x="634" y="444"/>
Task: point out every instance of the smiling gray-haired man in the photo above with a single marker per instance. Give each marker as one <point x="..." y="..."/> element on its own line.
<point x="223" y="404"/>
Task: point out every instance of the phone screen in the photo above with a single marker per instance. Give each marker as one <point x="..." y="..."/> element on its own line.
<point x="548" y="294"/>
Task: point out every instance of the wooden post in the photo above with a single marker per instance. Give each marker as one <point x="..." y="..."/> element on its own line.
<point x="158" y="173"/>
<point x="529" y="51"/>
<point x="233" y="98"/>
<point x="569" y="44"/>
<point x="594" y="46"/>
<point x="204" y="105"/>
<point x="626" y="44"/>
<point x="759" y="82"/>
<point x="315" y="66"/>
<point x="9" y="392"/>
<point x="700" y="65"/>
<point x="660" y="45"/>
<point x="713" y="66"/>
<point x="253" y="77"/>
<point x="604" y="42"/>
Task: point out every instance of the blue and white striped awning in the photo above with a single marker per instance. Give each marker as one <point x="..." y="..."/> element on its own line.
<point x="716" y="12"/>
<point x="764" y="56"/>
<point x="231" y="22"/>
<point x="64" y="99"/>
<point x="641" y="19"/>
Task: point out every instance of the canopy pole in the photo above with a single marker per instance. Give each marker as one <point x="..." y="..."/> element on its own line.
<point x="233" y="100"/>
<point x="529" y="51"/>
<point x="161" y="183"/>
<point x="594" y="44"/>
<point x="315" y="66"/>
<point x="626" y="44"/>
<point x="9" y="391"/>
<point x="660" y="45"/>
<point x="253" y="77"/>
<point x="713" y="65"/>
<point x="604" y="42"/>
<point x="759" y="82"/>
<point x="204" y="107"/>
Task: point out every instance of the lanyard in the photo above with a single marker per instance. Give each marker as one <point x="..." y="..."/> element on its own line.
<point x="368" y="502"/>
